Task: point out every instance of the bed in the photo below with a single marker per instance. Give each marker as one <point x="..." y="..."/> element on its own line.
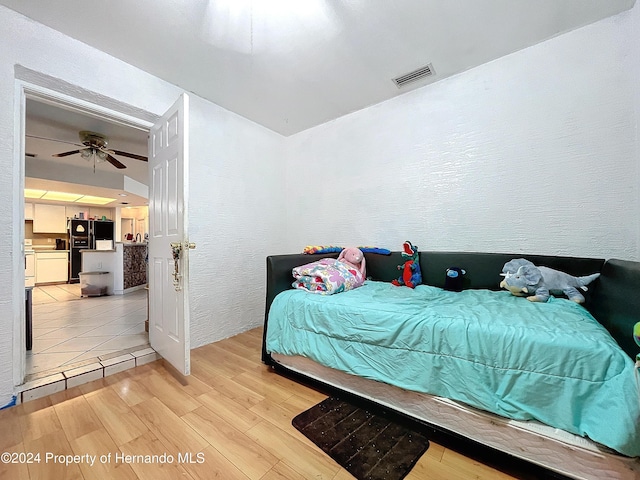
<point x="546" y="383"/>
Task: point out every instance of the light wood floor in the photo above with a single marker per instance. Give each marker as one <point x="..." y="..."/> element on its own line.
<point x="233" y="415"/>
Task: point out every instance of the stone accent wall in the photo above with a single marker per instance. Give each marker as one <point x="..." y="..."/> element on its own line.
<point x="134" y="259"/>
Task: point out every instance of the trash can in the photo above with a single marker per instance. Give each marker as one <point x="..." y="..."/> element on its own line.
<point x="94" y="284"/>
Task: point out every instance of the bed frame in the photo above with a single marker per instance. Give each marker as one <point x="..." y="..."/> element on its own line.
<point x="613" y="300"/>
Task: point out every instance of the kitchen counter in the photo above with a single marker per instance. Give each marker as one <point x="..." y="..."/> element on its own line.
<point x="127" y="262"/>
<point x="46" y="248"/>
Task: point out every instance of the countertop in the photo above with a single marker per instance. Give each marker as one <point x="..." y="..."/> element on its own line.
<point x="44" y="249"/>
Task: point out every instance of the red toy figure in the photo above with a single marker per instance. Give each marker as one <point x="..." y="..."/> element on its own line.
<point x="411" y="274"/>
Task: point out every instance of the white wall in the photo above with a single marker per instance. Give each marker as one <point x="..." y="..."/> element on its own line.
<point x="235" y="217"/>
<point x="535" y="152"/>
<point x="219" y="213"/>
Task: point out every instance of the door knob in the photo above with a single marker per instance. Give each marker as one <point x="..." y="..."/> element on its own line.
<point x="176" y="249"/>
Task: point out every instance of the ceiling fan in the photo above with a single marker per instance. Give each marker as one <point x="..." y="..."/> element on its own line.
<point x="95" y="146"/>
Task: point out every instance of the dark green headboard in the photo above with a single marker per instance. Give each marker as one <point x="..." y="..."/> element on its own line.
<point x="615" y="301"/>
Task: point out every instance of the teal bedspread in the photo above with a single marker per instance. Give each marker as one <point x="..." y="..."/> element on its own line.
<point x="552" y="362"/>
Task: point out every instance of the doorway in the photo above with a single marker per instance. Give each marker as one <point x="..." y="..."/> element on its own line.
<point x="69" y="329"/>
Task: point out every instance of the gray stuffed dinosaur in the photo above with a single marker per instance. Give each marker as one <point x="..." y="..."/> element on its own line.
<point x="521" y="277"/>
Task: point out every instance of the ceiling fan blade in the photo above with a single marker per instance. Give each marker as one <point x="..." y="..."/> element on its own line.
<point x="53" y="140"/>
<point x="115" y="162"/>
<point x="130" y="155"/>
<point x="65" y="154"/>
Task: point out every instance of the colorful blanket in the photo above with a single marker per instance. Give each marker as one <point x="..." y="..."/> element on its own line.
<point x="326" y="276"/>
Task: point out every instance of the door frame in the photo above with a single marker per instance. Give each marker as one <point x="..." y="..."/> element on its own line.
<point x="23" y="90"/>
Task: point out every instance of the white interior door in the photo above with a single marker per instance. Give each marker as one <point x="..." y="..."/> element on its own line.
<point x="168" y="289"/>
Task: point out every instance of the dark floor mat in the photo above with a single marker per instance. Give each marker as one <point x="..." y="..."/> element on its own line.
<point x="369" y="445"/>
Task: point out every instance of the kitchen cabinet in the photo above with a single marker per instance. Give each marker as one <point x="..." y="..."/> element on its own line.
<point x="52" y="266"/>
<point x="75" y="211"/>
<point x="49" y="218"/>
<point x="97" y="212"/>
<point x="29" y="268"/>
<point x="28" y="211"/>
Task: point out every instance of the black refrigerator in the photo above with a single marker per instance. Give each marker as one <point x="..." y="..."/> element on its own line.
<point x="82" y="236"/>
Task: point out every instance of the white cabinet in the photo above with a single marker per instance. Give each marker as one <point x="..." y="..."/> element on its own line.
<point x="29" y="269"/>
<point x="49" y="218"/>
<point x="28" y="211"/>
<point x="75" y="210"/>
<point x="52" y="266"/>
<point x="99" y="212"/>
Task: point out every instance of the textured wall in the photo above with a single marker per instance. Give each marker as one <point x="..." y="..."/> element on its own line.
<point x="232" y="181"/>
<point x="534" y="152"/>
<point x="235" y="218"/>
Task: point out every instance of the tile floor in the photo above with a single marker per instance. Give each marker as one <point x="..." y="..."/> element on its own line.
<point x="70" y="330"/>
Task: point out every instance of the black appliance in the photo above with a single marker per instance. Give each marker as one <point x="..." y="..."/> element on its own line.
<point x="82" y="236"/>
<point x="61" y="244"/>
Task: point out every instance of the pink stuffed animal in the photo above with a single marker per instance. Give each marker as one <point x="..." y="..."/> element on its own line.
<point x="354" y="258"/>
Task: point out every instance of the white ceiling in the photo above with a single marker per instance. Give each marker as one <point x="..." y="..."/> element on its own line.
<point x="293" y="64"/>
<point x="288" y="64"/>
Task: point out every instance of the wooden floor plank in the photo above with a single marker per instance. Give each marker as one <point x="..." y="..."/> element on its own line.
<point x="14" y="469"/>
<point x="171" y="395"/>
<point x="214" y="466"/>
<point x="122" y="424"/>
<point x="77" y="418"/>
<point x="39" y="423"/>
<point x="11" y="428"/>
<point x="232" y="417"/>
<point x="249" y="457"/>
<point x="240" y="417"/>
<point x="155" y="469"/>
<point x="53" y="449"/>
<point x="99" y="444"/>
<point x="168" y="427"/>
<point x="308" y="461"/>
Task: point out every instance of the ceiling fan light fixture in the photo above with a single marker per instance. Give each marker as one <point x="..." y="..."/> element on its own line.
<point x="86" y="153"/>
<point x="101" y="155"/>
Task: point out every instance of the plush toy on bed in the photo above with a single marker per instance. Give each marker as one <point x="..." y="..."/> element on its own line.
<point x="523" y="278"/>
<point x="453" y="279"/>
<point x="354" y="258"/>
<point x="411" y="274"/>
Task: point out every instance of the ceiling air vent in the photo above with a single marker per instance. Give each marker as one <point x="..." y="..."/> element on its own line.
<point x="418" y="74"/>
